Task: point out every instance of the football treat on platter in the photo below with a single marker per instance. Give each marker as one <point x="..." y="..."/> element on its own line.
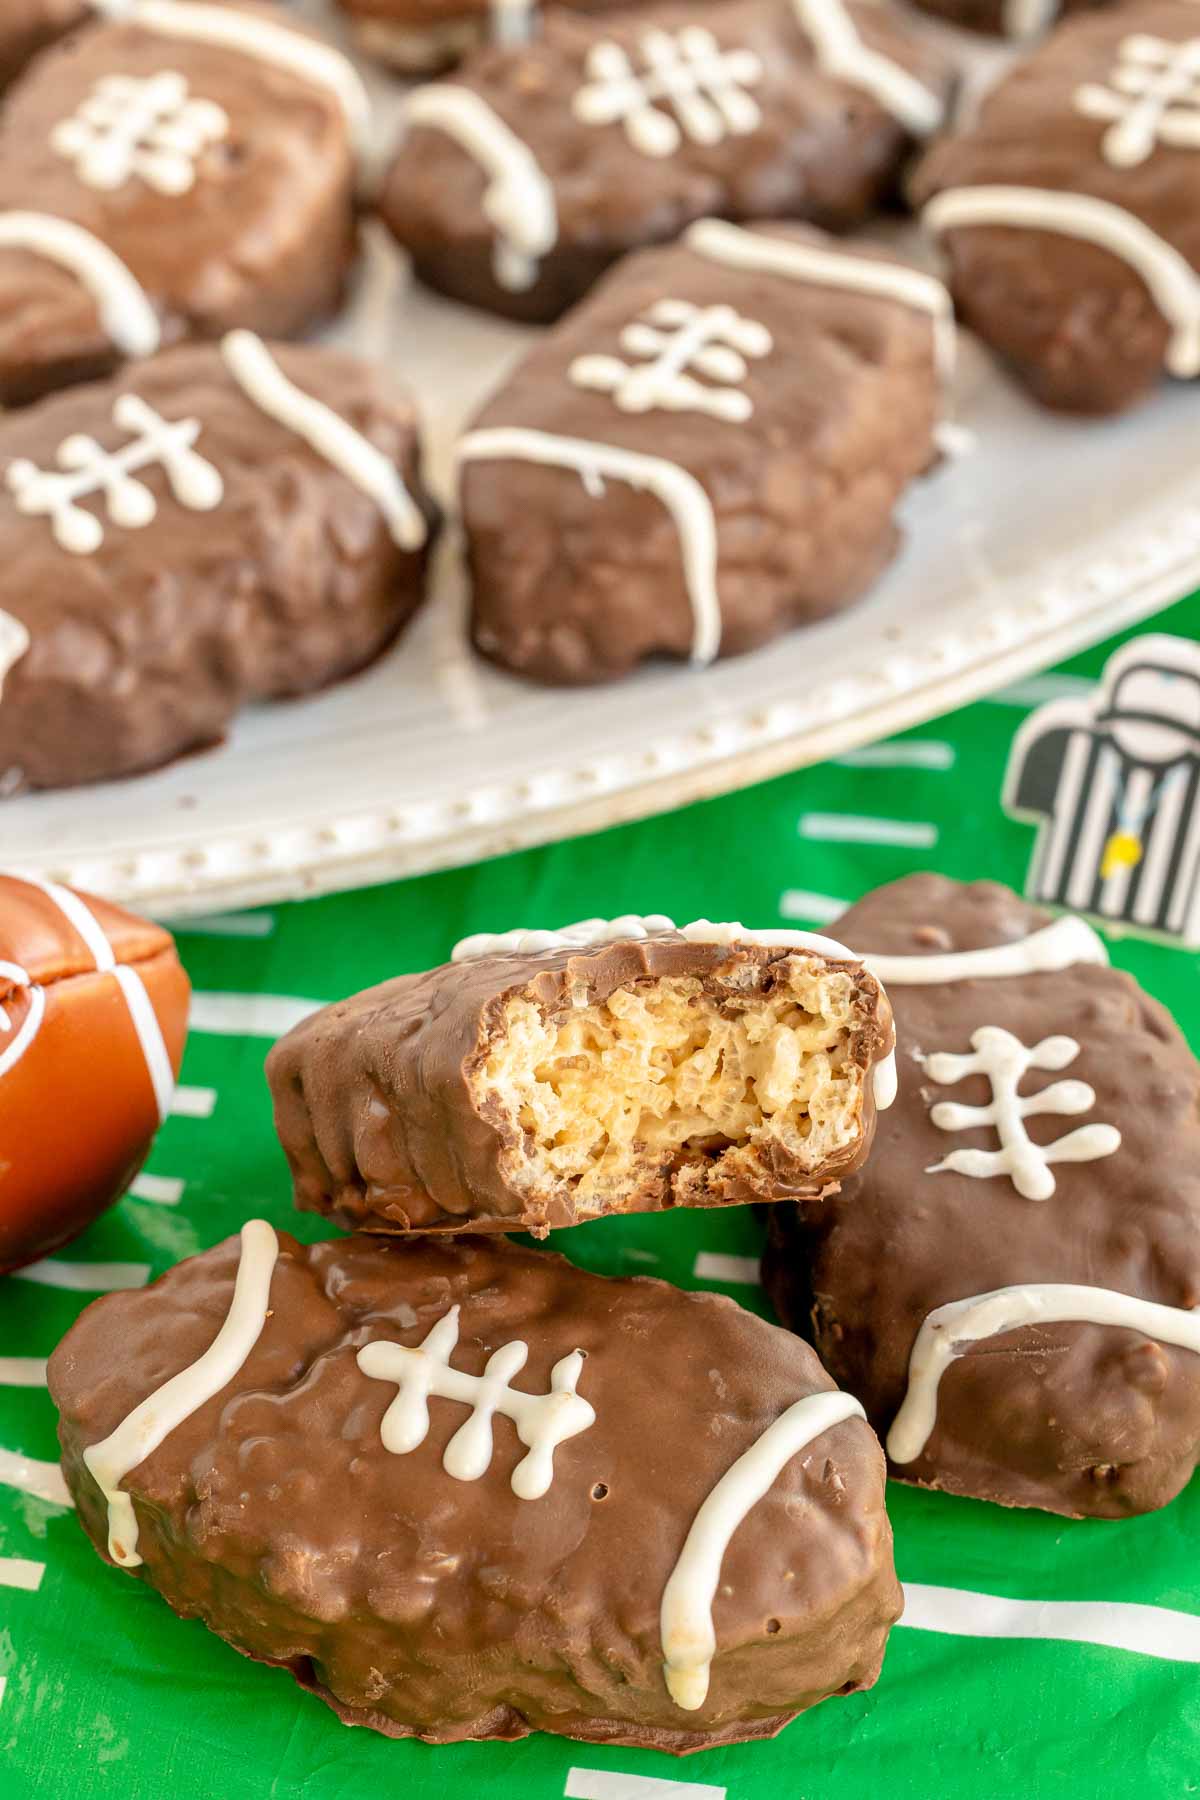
<point x="547" y="1077"/>
<point x="27" y="26"/>
<point x="93" y="1016"/>
<point x="1070" y="209"/>
<point x="1011" y="1287"/>
<point x="706" y="451"/>
<point x="220" y="524"/>
<point x="183" y="169"/>
<point x="447" y="1487"/>
<point x="518" y="183"/>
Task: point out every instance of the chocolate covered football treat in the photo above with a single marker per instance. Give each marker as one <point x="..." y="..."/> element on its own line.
<point x="707" y="451"/>
<point x="1010" y="1287"/>
<point x="27" y="26"/>
<point x="544" y="1078"/>
<point x="518" y="183"/>
<point x="192" y="167"/>
<point x="219" y="525"/>
<point x="448" y="1488"/>
<point x="93" y="1016"/>
<point x="1070" y="209"/>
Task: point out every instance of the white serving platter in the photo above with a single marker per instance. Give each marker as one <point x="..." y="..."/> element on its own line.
<point x="1047" y="536"/>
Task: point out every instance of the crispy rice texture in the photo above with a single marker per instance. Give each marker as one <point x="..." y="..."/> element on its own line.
<point x="602" y="1099"/>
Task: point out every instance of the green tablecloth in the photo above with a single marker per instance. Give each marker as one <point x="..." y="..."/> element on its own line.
<point x="107" y="1693"/>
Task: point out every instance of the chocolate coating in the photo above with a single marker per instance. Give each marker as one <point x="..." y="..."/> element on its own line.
<point x="418" y="37"/>
<point x="571" y="585"/>
<point x="824" y="151"/>
<point x="1080" y="1419"/>
<point x="991" y="16"/>
<point x="426" y="1606"/>
<point x="1078" y="324"/>
<point x="77" y="1103"/>
<point x="391" y="1121"/>
<point x="27" y="26"/>
<point x="148" y="646"/>
<point x="263" y="239"/>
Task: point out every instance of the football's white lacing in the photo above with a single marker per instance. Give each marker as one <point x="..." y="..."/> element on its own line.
<point x="543" y="1421"/>
<point x="687" y="71"/>
<point x="89" y="469"/>
<point x="1153" y="98"/>
<point x="152" y="129"/>
<point x="679" y="337"/>
<point x="1005" y="1060"/>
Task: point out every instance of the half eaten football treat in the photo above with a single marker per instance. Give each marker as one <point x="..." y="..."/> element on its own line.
<point x="446" y="1486"/>
<point x="544" y="1078"/>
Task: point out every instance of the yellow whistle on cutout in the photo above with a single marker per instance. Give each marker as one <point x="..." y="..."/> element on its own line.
<point x="1122" y="851"/>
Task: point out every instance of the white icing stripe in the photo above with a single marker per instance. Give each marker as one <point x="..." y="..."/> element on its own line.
<point x="141" y="1009"/>
<point x="820" y="266"/>
<point x="679" y="492"/>
<point x="689" y="1640"/>
<point x="1005" y="1061"/>
<point x="1173" y="283"/>
<point x="333" y="438"/>
<point x="42" y="1480"/>
<point x="519" y="200"/>
<point x="543" y="1421"/>
<point x="146" y="1427"/>
<point x="951" y="1330"/>
<point x="262" y="38"/>
<point x="14" y="642"/>
<point x="842" y="53"/>
<point x="635" y="927"/>
<point x="1055" y="947"/>
<point x="124" y="307"/>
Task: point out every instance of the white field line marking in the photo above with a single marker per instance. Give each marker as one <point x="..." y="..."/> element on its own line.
<point x="1036" y="689"/>
<point x="193" y="1103"/>
<point x="249" y="1015"/>
<point x="814" y="909"/>
<point x="3" y="1685"/>
<point x="160" y="1190"/>
<point x="921" y="753"/>
<point x="19" y="1572"/>
<point x="246" y="925"/>
<point x="852" y="828"/>
<point x="714" y="1265"/>
<point x="44" y="1480"/>
<point x="609" y="1784"/>
<point x="85" y="1278"/>
<point x="22" y="1371"/>
<point x="1118" y="1624"/>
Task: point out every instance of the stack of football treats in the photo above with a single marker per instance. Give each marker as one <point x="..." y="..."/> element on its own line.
<point x="710" y="445"/>
<point x="462" y="1489"/>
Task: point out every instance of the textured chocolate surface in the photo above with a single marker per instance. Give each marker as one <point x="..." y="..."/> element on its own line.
<point x="263" y="239"/>
<point x="27" y="26"/>
<point x="383" y="1127"/>
<point x="147" y="646"/>
<point x="1077" y="1418"/>
<point x="574" y="583"/>
<point x="1078" y="323"/>
<point x="425" y="1605"/>
<point x="824" y="150"/>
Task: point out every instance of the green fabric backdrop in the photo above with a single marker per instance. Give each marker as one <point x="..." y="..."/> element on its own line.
<point x="107" y="1693"/>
